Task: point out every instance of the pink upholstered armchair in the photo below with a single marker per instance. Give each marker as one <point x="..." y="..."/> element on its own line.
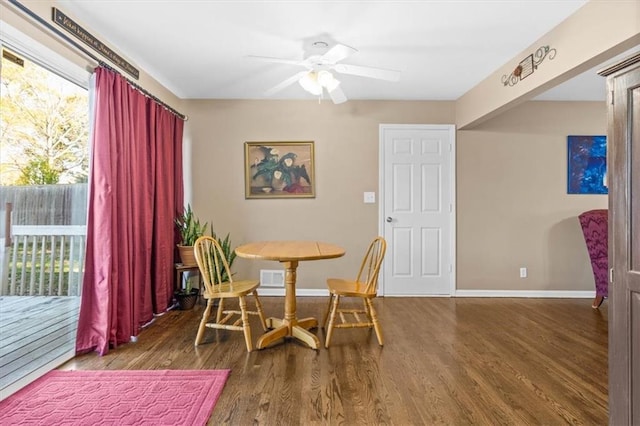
<point x="595" y="229"/>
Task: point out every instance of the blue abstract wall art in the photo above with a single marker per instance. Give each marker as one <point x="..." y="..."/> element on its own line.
<point x="587" y="165"/>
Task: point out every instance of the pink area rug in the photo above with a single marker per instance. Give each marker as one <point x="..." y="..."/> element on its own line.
<point x="134" y="397"/>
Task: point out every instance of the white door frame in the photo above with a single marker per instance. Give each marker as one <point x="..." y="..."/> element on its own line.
<point x="452" y="176"/>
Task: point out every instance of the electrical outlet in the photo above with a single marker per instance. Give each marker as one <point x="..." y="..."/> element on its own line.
<point x="523" y="272"/>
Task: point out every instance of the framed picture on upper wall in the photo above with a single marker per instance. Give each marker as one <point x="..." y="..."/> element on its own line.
<point x="587" y="165"/>
<point x="279" y="170"/>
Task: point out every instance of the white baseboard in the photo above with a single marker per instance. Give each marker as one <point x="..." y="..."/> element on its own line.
<point x="538" y="294"/>
<point x="555" y="294"/>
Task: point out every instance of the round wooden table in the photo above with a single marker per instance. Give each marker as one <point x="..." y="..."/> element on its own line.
<point x="289" y="253"/>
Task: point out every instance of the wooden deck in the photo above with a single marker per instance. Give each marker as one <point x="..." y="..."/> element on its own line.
<point x="37" y="333"/>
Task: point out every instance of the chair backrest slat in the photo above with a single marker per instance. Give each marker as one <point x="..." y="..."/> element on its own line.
<point x="370" y="267"/>
<point x="212" y="263"/>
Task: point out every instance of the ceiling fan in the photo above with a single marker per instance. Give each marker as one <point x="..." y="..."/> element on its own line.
<point x="318" y="76"/>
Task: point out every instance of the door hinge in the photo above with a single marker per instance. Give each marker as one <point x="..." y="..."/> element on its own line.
<point x="612" y="97"/>
<point x="611" y="275"/>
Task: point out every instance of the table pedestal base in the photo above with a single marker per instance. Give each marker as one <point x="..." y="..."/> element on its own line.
<point x="296" y="329"/>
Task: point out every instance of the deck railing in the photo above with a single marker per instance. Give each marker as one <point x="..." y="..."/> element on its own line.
<point x="43" y="260"/>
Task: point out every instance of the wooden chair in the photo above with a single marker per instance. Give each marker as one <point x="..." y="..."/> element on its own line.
<point x="365" y="286"/>
<point x="219" y="284"/>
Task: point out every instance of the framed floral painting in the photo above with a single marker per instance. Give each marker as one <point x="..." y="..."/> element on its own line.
<point x="279" y="170"/>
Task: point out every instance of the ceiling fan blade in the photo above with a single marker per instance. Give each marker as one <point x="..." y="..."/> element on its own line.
<point x="277" y="60"/>
<point x="337" y="95"/>
<point x="288" y="82"/>
<point x="379" y="73"/>
<point x="338" y="53"/>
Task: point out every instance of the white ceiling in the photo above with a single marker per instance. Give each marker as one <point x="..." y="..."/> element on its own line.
<point x="199" y="49"/>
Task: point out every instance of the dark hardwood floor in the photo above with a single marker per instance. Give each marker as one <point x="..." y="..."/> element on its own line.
<point x="445" y="361"/>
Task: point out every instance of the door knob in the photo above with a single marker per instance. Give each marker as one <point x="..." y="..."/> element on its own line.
<point x="389" y="219"/>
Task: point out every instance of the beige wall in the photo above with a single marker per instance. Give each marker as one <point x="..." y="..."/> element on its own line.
<point x="513" y="209"/>
<point x="346" y="154"/>
<point x="513" y="206"/>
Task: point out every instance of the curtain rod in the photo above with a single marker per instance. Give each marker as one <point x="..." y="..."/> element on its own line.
<point x="100" y="62"/>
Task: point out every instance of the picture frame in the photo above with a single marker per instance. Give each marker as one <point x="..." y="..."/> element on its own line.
<point x="587" y="164"/>
<point x="279" y="170"/>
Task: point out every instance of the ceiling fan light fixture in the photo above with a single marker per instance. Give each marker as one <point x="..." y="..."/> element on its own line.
<point x="309" y="82"/>
<point x="320" y="66"/>
<point x="325" y="78"/>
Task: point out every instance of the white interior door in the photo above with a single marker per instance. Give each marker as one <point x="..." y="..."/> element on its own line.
<point x="417" y="211"/>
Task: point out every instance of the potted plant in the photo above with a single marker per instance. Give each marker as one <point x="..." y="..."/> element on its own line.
<point x="190" y="230"/>
<point x="227" y="250"/>
<point x="187" y="296"/>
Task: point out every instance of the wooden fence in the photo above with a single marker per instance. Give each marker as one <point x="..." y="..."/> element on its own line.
<point x="42" y="252"/>
<point x="45" y="205"/>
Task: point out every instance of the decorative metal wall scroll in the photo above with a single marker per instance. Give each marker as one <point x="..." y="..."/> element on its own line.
<point x="528" y="65"/>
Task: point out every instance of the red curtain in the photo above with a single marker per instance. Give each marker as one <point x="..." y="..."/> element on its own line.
<point x="135" y="192"/>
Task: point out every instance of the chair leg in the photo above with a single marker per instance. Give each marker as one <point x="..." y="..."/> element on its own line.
<point x="326" y="313"/>
<point x="332" y="319"/>
<point x="220" y="310"/>
<point x="374" y="319"/>
<point x="260" y="312"/>
<point x="367" y="310"/>
<point x="245" y="323"/>
<point x="203" y="322"/>
<point x="597" y="302"/>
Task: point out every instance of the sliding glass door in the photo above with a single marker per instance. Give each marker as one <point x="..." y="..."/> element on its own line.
<point x="44" y="157"/>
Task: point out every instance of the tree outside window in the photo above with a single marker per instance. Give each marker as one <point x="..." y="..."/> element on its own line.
<point x="43" y="127"/>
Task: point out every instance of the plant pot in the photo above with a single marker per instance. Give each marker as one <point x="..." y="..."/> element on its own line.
<point x="187" y="255"/>
<point x="186" y="301"/>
